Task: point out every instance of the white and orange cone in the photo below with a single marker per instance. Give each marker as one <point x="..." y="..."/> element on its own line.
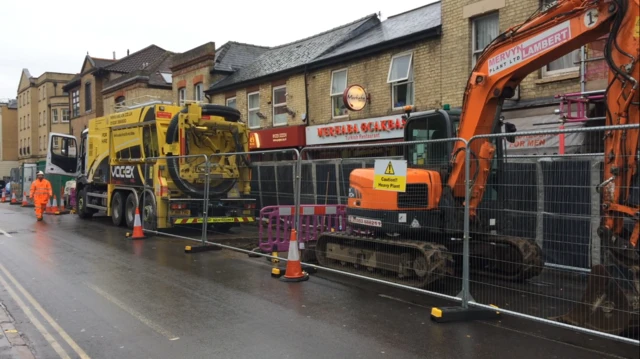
<point x="294" y="272"/>
<point x="137" y="227"/>
<point x="4" y="196"/>
<point x="14" y="200"/>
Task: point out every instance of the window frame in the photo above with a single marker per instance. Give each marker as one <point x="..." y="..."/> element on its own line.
<point x="252" y="109"/>
<point x="474" y="20"/>
<point x="182" y="96"/>
<point x="273" y="105"/>
<point x="231" y="98"/>
<point x="408" y="80"/>
<point x="65" y="115"/>
<point x="54" y="115"/>
<point x="75" y="103"/>
<point x="198" y="91"/>
<point x="332" y="95"/>
<point x="578" y="52"/>
<point x="88" y="105"/>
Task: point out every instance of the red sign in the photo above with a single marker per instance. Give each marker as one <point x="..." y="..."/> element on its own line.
<point x="163" y="114"/>
<point x="372" y="129"/>
<point x="281" y="137"/>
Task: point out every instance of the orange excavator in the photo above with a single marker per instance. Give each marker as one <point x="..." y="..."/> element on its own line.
<point x="416" y="235"/>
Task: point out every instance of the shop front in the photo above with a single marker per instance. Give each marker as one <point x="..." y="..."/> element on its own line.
<point x="276" y="139"/>
<point x="378" y="130"/>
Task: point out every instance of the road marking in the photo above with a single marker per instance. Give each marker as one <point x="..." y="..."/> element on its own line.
<point x="134" y="313"/>
<point x="46" y="315"/>
<point x="5" y="233"/>
<point x="47" y="336"/>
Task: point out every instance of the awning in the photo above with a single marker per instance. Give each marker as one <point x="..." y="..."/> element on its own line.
<point x="543" y="144"/>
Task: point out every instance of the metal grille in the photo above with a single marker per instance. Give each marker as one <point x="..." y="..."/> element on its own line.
<point x="416" y="196"/>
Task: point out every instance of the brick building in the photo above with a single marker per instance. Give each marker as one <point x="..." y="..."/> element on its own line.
<point x="41" y="105"/>
<point x="8" y="136"/>
<point x="197" y="69"/>
<point x="396" y="64"/>
<point x="85" y="94"/>
<point x="137" y="78"/>
<point x="475" y="24"/>
<point x="270" y="92"/>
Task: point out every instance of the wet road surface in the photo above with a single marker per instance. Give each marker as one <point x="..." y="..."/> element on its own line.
<point x="80" y="288"/>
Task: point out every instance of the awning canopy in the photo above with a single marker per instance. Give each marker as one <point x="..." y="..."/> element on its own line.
<point x="543" y="144"/>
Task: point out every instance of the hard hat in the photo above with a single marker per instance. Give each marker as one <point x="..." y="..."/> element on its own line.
<point x="40" y="173"/>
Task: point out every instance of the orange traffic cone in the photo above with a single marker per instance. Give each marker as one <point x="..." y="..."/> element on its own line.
<point x="137" y="227"/>
<point x="24" y="199"/>
<point x="294" y="272"/>
<point x="4" y="196"/>
<point x="14" y="200"/>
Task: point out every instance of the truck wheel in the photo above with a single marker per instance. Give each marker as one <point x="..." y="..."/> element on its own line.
<point x="81" y="203"/>
<point x="130" y="209"/>
<point x="117" y="209"/>
<point x="149" y="212"/>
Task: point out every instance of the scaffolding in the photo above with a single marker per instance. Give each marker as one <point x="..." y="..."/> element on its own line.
<point x="576" y="107"/>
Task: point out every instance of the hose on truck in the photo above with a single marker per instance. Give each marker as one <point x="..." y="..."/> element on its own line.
<point x="230" y="115"/>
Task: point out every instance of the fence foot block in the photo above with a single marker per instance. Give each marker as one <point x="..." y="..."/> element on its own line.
<point x="204" y="248"/>
<point x="459" y="314"/>
<point x="277" y="272"/>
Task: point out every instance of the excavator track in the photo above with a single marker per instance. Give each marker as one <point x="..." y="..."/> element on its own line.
<point x="506" y="258"/>
<point x="412" y="263"/>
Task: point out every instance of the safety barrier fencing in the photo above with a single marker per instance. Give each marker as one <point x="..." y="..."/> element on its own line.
<point x="276" y="223"/>
<point x="461" y="220"/>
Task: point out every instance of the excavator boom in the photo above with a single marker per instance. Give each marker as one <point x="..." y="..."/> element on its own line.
<point x="547" y="35"/>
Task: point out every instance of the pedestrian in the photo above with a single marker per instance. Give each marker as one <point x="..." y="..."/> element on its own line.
<point x="41" y="191"/>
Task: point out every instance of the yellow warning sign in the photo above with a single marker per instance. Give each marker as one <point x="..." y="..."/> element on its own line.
<point x="390" y="175"/>
<point x="389" y="170"/>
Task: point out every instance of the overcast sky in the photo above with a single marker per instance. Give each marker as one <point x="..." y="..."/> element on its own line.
<point x="44" y="35"/>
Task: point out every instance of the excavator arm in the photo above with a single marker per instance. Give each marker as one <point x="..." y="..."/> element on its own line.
<point x="547" y="35"/>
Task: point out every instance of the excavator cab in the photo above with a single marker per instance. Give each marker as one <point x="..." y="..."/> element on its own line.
<point x="430" y="126"/>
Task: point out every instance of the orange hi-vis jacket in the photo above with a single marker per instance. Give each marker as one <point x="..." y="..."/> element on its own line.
<point x="41" y="191"/>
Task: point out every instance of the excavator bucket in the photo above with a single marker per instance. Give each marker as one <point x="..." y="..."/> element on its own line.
<point x="605" y="306"/>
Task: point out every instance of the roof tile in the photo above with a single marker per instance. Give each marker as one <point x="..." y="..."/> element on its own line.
<point x="298" y="53"/>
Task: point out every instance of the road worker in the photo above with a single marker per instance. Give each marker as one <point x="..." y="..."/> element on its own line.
<point x="41" y="191"/>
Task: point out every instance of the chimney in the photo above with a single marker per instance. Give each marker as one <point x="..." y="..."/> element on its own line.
<point x="114" y="55"/>
<point x="127" y="52"/>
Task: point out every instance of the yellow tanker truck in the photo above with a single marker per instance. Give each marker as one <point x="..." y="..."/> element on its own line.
<point x="119" y="153"/>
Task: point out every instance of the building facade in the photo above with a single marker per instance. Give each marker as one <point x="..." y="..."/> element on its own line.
<point x="41" y="109"/>
<point x="85" y="94"/>
<point x="270" y="92"/>
<point x="138" y="78"/>
<point x="8" y="136"/>
<point x="197" y="69"/>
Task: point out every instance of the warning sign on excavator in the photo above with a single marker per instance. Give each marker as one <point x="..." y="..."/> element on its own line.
<point x="389" y="170"/>
<point x="390" y="175"/>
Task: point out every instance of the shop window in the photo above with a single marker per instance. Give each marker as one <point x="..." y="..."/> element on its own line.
<point x="231" y="102"/>
<point x="484" y="29"/>
<point x="253" y="104"/>
<point x="401" y="79"/>
<point x="197" y="92"/>
<point x="338" y="85"/>
<point x="280" y="106"/>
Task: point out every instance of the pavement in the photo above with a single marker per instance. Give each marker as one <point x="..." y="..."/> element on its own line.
<point x="73" y="288"/>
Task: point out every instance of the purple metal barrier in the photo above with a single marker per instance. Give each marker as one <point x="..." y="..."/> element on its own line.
<point x="276" y="222"/>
